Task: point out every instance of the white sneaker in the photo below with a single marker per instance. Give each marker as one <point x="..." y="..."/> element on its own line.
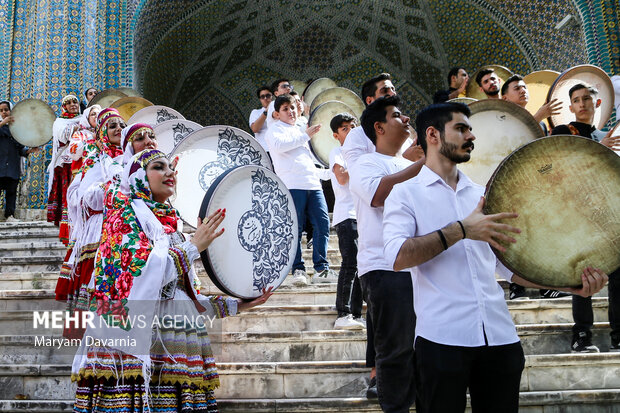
<point x="325" y="276"/>
<point x="300" y="278"/>
<point x="361" y="321"/>
<point x="347" y="323"/>
<point x="12" y="219"/>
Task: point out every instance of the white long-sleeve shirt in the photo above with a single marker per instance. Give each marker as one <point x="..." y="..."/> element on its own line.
<point x="292" y="159"/>
<point x="457" y="298"/>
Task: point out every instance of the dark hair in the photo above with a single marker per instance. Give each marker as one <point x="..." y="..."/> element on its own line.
<point x="483" y="73"/>
<point x="5" y="102"/>
<point x="86" y="91"/>
<point x="294" y="93"/>
<point x="274" y="85"/>
<point x="453" y="72"/>
<point x="370" y="86"/>
<point x="513" y="78"/>
<point x="339" y="119"/>
<point x="377" y="112"/>
<point x="437" y="115"/>
<point x="260" y="89"/>
<point x="580" y="86"/>
<point x="281" y="100"/>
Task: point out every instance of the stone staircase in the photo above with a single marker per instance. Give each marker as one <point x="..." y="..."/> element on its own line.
<point x="285" y="356"/>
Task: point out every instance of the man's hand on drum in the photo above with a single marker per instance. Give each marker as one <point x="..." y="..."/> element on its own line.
<point x="481" y="227"/>
<point x="7" y="121"/>
<point x="206" y="230"/>
<point x="548" y="109"/>
<point x="312" y="130"/>
<point x="612" y="142"/>
<point x="593" y="280"/>
<point x="247" y="304"/>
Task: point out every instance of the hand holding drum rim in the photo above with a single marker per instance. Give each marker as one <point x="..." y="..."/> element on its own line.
<point x="612" y="142"/>
<point x="593" y="280"/>
<point x="7" y="121"/>
<point x="206" y="230"/>
<point x="247" y="304"/>
<point x="481" y="227"/>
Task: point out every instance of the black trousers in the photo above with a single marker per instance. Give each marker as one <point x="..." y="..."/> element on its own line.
<point x="9" y="186"/>
<point x="492" y="374"/>
<point x="584" y="316"/>
<point x="389" y="296"/>
<point x="348" y="292"/>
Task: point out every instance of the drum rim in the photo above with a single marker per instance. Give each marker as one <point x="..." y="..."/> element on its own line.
<point x="103" y="94"/>
<point x="304" y="95"/>
<point x="43" y="104"/>
<point x="204" y="207"/>
<point x="175" y="112"/>
<point x="520" y="113"/>
<point x="131" y="99"/>
<point x="340" y="88"/>
<point x="158" y="128"/>
<point x="314" y="152"/>
<point x="488" y="191"/>
<point x="581" y="68"/>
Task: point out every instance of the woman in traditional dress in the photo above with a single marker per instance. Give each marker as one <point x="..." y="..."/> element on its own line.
<point x="85" y="207"/>
<point x="134" y="363"/>
<point x="84" y="135"/>
<point x="59" y="169"/>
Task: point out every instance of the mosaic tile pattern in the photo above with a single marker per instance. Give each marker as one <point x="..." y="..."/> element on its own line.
<point x="206" y="57"/>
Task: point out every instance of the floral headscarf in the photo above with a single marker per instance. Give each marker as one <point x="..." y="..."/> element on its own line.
<point x="64" y="114"/>
<point x="127" y="238"/>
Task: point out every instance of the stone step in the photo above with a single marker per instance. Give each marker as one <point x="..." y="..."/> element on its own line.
<point x="34" y="263"/>
<point x="43" y="234"/>
<point x="567" y="401"/>
<point x="335" y="379"/>
<point x="290" y="346"/>
<point x="30" y="247"/>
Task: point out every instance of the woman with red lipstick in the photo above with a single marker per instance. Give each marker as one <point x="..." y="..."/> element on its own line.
<point x="85" y="206"/>
<point x="138" y="362"/>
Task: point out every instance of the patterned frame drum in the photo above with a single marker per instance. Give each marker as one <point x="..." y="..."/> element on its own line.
<point x="153" y="115"/>
<point x="33" y="122"/>
<point x="566" y="190"/>
<point x="171" y="132"/>
<point x="591" y="76"/>
<point x="206" y="154"/>
<point x="258" y="247"/>
<point x="500" y="127"/>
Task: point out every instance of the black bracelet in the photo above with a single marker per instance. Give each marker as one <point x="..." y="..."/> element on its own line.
<point x="443" y="240"/>
<point x="462" y="229"/>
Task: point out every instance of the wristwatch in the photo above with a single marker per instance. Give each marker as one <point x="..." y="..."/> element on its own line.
<point x="265" y="113"/>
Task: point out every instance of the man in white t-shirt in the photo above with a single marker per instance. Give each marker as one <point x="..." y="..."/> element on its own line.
<point x="292" y="161"/>
<point x="465" y="337"/>
<point x="259" y="116"/>
<point x="389" y="295"/>
<point x="278" y="88"/>
<point x="349" y="292"/>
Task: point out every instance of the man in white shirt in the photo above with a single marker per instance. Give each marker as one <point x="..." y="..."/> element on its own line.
<point x="465" y="337"/>
<point x="349" y="292"/>
<point x="278" y="88"/>
<point x="292" y="160"/>
<point x="259" y="116"/>
<point x="388" y="294"/>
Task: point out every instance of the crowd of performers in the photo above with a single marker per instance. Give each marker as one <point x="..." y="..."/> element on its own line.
<point x="400" y="222"/>
<point x="400" y="219"/>
<point x="126" y="255"/>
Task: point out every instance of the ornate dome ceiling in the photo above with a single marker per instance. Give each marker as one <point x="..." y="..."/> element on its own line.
<point x="209" y="62"/>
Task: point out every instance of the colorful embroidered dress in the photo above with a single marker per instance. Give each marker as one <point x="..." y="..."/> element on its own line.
<point x="85" y="207"/>
<point x="59" y="171"/>
<point x="144" y="268"/>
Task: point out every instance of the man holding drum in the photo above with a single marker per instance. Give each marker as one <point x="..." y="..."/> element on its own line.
<point x="258" y="117"/>
<point x="434" y="226"/>
<point x="583" y="103"/>
<point x="457" y="81"/>
<point x="10" y="153"/>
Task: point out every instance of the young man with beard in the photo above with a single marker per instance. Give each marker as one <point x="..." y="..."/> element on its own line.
<point x="389" y="295"/>
<point x="489" y="83"/>
<point x="433" y="226"/>
<point x="583" y="103"/>
<point x="457" y="83"/>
